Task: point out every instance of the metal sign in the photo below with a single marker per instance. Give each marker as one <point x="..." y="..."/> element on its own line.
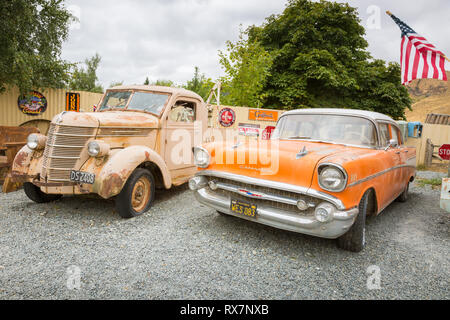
<point x="72" y="101"/>
<point x="227" y="117"/>
<point x="262" y="115"/>
<point x="33" y="103"/>
<point x="444" y="151"/>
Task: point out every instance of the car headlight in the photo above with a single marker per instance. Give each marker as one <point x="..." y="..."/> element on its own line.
<point x="332" y="178"/>
<point x="201" y="157"/>
<point x="98" y="148"/>
<point x="36" y="141"/>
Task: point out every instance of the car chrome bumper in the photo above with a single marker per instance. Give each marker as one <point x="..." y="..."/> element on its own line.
<point x="340" y="224"/>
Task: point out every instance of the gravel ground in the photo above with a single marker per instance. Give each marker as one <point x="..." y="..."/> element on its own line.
<point x="183" y="250"/>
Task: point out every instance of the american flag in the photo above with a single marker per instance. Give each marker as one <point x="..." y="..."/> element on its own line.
<point x="419" y="59"/>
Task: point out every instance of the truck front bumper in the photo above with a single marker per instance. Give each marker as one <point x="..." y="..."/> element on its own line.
<point x="340" y="224"/>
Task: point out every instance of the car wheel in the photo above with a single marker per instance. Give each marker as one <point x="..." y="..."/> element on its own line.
<point x="34" y="193"/>
<point x="137" y="195"/>
<point x="403" y="197"/>
<point x="355" y="238"/>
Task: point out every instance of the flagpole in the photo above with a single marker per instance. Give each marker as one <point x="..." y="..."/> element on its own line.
<point x="390" y="14"/>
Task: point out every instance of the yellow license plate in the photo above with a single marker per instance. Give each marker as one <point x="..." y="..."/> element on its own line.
<point x="243" y="208"/>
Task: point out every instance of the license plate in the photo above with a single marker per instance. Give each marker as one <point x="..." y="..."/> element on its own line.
<point x="82" y="177"/>
<point x="243" y="208"/>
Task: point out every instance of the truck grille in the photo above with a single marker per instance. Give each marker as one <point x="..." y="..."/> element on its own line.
<point x="63" y="150"/>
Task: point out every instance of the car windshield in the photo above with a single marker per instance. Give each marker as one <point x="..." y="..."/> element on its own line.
<point x="115" y="100"/>
<point x="148" y="101"/>
<point x="327" y="128"/>
<point x="142" y="101"/>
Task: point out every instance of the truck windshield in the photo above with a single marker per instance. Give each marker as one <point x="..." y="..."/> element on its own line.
<point x="148" y="101"/>
<point x="327" y="128"/>
<point x="115" y="100"/>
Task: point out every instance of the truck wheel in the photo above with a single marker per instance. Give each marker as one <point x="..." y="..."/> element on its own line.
<point x="403" y="197"/>
<point x="34" y="193"/>
<point x="137" y="195"/>
<point x="355" y="238"/>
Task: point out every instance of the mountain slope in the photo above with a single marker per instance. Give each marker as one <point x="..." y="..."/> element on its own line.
<point x="429" y="96"/>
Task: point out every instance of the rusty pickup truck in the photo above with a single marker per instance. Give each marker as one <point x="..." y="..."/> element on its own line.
<point x="138" y="139"/>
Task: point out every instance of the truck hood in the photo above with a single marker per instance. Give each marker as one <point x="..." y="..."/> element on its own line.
<point x="288" y="164"/>
<point x="107" y="119"/>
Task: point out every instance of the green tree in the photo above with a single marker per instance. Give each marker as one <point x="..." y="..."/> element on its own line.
<point x="146" y="82"/>
<point x="320" y="59"/>
<point x="247" y="66"/>
<point x="164" y="83"/>
<point x="85" y="79"/>
<point x="115" y="84"/>
<point x="199" y="84"/>
<point x="32" y="33"/>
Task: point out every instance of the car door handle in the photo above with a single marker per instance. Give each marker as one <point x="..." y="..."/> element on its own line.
<point x="406" y="151"/>
<point x="397" y="152"/>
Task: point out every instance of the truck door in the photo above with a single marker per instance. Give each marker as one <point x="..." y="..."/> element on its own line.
<point x="179" y="138"/>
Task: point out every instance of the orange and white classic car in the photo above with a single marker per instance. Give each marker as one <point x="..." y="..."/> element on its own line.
<point x="329" y="169"/>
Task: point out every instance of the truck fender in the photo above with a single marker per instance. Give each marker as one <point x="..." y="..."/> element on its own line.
<point x="22" y="161"/>
<point x="119" y="167"/>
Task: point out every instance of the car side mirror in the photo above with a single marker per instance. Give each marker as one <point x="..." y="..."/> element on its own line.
<point x="392" y="144"/>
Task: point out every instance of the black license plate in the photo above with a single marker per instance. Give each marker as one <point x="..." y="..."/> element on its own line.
<point x="82" y="177"/>
<point x="243" y="208"/>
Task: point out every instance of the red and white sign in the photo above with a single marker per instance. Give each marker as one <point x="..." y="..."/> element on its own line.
<point x="227" y="117"/>
<point x="444" y="151"/>
<point x="267" y="133"/>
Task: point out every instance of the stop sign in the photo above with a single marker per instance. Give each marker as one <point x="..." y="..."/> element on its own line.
<point x="444" y="151"/>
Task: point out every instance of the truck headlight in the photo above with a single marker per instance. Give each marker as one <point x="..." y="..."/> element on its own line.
<point x="332" y="178"/>
<point x="36" y="141"/>
<point x="201" y="157"/>
<point x="98" y="148"/>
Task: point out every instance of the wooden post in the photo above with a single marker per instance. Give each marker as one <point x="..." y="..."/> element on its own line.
<point x="428" y="153"/>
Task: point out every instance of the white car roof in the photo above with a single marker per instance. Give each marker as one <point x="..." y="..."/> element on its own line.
<point x="351" y="112"/>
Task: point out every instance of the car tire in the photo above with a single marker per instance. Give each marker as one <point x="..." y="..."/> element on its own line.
<point x="137" y="195"/>
<point x="34" y="193"/>
<point x="403" y="197"/>
<point x="355" y="239"/>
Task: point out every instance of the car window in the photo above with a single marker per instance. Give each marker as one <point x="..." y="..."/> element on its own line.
<point x="384" y="133"/>
<point x="183" y="111"/>
<point x="115" y="100"/>
<point x="396" y="135"/>
<point x="148" y="101"/>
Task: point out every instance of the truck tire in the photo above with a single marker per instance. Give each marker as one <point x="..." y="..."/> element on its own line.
<point x="355" y="239"/>
<point x="137" y="195"/>
<point x="34" y="193"/>
<point x="403" y="197"/>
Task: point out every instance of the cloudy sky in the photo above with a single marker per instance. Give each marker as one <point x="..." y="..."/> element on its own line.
<point x="165" y="39"/>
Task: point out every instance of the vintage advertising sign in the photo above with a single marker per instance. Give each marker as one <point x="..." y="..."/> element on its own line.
<point x="72" y="101"/>
<point x="267" y="133"/>
<point x="444" y="151"/>
<point x="33" y="103"/>
<point x="227" y="117"/>
<point x="262" y="115"/>
<point x="249" y="130"/>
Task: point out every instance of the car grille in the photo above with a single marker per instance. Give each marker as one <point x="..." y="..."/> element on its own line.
<point x="63" y="150"/>
<point x="266" y="190"/>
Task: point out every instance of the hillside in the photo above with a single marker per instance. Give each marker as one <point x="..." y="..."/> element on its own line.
<point x="429" y="96"/>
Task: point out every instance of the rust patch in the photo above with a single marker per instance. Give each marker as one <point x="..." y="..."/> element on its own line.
<point x="21" y="157"/>
<point x="147" y="155"/>
<point x="112" y="185"/>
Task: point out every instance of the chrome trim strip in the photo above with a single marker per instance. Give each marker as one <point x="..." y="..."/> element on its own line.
<point x="379" y="174"/>
<point x="63" y="146"/>
<point x="60" y="169"/>
<point x="121" y="135"/>
<point x="274" y="184"/>
<point x="73" y="135"/>
<point x="59" y="157"/>
<point x="258" y="195"/>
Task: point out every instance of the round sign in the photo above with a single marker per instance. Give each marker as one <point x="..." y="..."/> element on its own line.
<point x="444" y="151"/>
<point x="227" y="117"/>
<point x="33" y="103"/>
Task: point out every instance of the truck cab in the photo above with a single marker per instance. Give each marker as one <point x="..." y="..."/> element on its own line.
<point x="139" y="138"/>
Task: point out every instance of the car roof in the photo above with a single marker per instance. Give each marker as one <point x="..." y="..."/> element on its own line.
<point x="337" y="111"/>
<point x="175" y="91"/>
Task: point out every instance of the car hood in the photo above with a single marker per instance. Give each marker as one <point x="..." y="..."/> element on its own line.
<point x="107" y="119"/>
<point x="292" y="162"/>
